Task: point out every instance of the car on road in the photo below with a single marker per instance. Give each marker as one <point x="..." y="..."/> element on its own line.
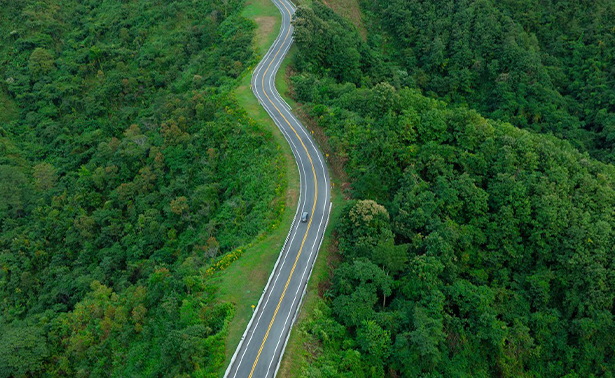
<point x="304" y="216"/>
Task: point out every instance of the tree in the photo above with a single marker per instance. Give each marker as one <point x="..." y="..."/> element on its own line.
<point x="44" y="176"/>
<point x="13" y="190"/>
<point x="368" y="223"/>
<point x="358" y="285"/>
<point x="23" y="349"/>
<point x="392" y="258"/>
<point x="374" y="341"/>
<point x="106" y="161"/>
<point x="41" y="62"/>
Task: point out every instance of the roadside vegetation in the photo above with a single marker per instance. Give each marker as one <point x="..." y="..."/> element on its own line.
<point x="130" y="181"/>
<point x="243" y="282"/>
<point x="471" y="247"/>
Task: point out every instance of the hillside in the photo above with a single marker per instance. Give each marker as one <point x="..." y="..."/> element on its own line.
<point x="128" y="175"/>
<point x="541" y="65"/>
<point x="472" y="247"/>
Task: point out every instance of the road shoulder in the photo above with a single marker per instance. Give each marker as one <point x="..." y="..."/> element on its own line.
<point x="243" y="282"/>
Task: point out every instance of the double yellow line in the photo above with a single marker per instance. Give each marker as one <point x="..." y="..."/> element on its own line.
<point x="313" y="206"/>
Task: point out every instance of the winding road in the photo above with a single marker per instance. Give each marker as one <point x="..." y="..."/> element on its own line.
<point x="262" y="345"/>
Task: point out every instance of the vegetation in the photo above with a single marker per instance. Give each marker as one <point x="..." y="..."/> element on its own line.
<point x="475" y="245"/>
<point x="243" y="282"/>
<point x="129" y="176"/>
<point x="542" y="65"/>
<point x="472" y="248"/>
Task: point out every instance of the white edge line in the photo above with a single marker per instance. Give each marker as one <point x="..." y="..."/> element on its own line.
<point x="268" y="288"/>
<point x="311" y="257"/>
<point x="302" y="294"/>
<point x="256" y="309"/>
<point x="292" y="304"/>
<point x="294" y="224"/>
<point x="258" y="68"/>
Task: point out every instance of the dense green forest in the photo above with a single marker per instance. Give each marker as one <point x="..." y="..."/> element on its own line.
<point x="126" y="170"/>
<point x="541" y="64"/>
<point x="472" y="248"/>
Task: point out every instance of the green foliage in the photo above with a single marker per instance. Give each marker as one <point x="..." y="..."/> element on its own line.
<point x="13" y="191"/>
<point x="473" y="248"/>
<point x="127" y="175"/>
<point x="329" y="44"/>
<point x="543" y="65"/>
<point x="40" y="62"/>
<point x="22" y="351"/>
<point x="367" y="224"/>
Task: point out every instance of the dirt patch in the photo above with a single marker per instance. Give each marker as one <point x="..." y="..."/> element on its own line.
<point x="351" y="10"/>
<point x="265" y="28"/>
<point x="333" y="260"/>
<point x="291" y="197"/>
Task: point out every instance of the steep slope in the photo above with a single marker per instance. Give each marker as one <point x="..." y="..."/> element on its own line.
<point x="542" y="65"/>
<point x="473" y="248"/>
<point x="128" y="176"/>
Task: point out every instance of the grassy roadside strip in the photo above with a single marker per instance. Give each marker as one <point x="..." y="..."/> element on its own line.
<point x="282" y="78"/>
<point x="299" y="349"/>
<point x="244" y="280"/>
<point x="296" y="354"/>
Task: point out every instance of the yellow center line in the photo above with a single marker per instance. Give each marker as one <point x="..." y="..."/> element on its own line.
<point x="313" y="206"/>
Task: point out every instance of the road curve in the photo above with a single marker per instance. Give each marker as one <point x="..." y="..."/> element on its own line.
<point x="262" y="345"/>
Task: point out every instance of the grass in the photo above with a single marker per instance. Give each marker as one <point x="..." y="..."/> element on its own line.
<point x="351" y="10"/>
<point x="243" y="282"/>
<point x="268" y="20"/>
<point x="295" y="355"/>
<point x="281" y="80"/>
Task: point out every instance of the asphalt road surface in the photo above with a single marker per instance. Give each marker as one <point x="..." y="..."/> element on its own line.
<point x="261" y="348"/>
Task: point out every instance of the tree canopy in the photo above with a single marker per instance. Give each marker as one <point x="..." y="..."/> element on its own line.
<point x="542" y="65"/>
<point x="472" y="247"/>
<point x="126" y="171"/>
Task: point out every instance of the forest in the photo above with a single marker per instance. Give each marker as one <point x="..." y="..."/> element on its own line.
<point x="127" y="174"/>
<point x="480" y="235"/>
<point x="476" y="135"/>
<point x="543" y="65"/>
